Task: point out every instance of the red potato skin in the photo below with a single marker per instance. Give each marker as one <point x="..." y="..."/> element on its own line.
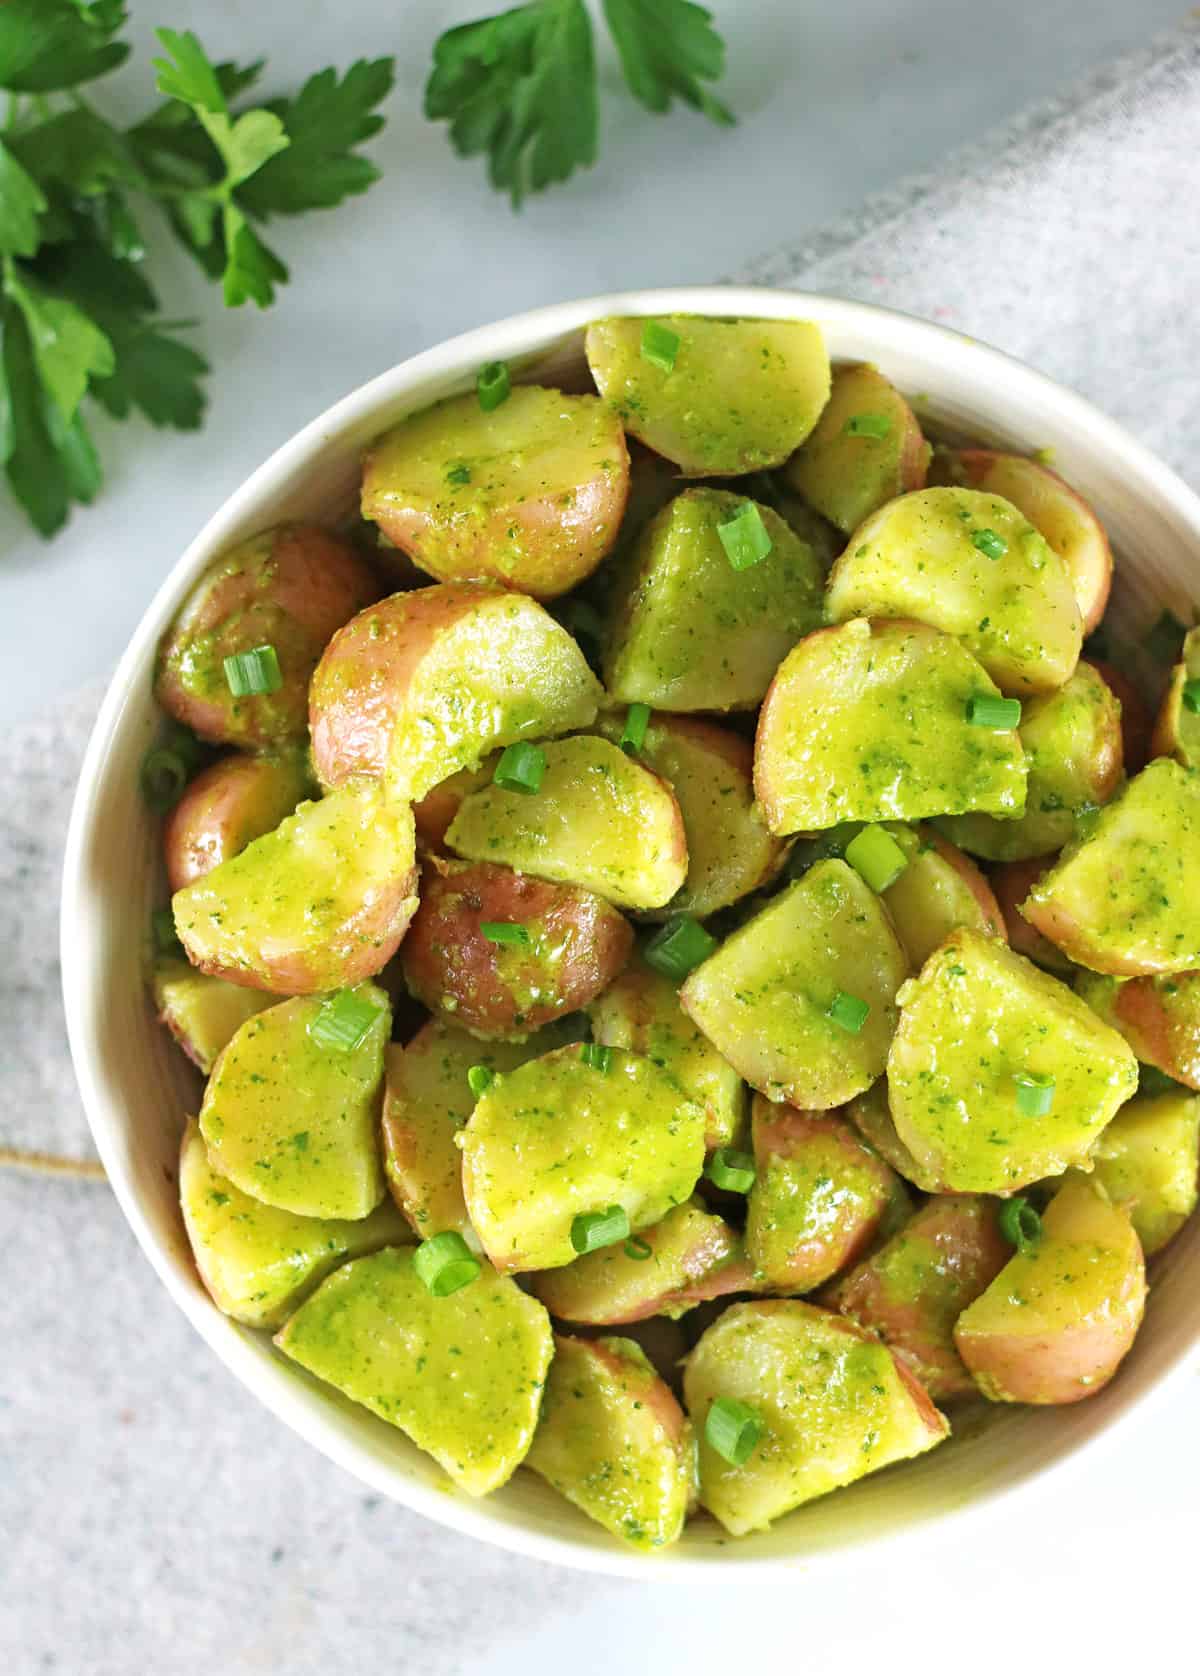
<point x="1012" y="882"/>
<point x="436" y="810"/>
<point x="972" y="876"/>
<point x="715" y="1268"/>
<point x="446" y="954"/>
<point x="1137" y="746"/>
<point x="225" y="808"/>
<point x="1171" y="1043"/>
<point x="656" y="1393"/>
<point x="1070" y="938"/>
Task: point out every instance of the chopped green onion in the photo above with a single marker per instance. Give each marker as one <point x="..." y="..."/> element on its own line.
<point x="480" y="1079"/>
<point x="633" y="734"/>
<point x="731" y="1171"/>
<point x="459" y="474"/>
<point x="679" y="947"/>
<point x="162" y="924"/>
<point x="744" y="537"/>
<point x="1035" y="1094"/>
<point x="1020" y="1223"/>
<point x="597" y="1228"/>
<point x="638" y="1249"/>
<point x="596" y="1055"/>
<point x="521" y="768"/>
<point x="876" y="425"/>
<point x="849" y="1012"/>
<point x="167" y="766"/>
<point x="445" y="1264"/>
<point x="1165" y="639"/>
<point x="733" y="1429"/>
<point x="660" y="345"/>
<point x="493" y="385"/>
<point x="991" y="545"/>
<point x="504" y="932"/>
<point x="876" y="857"/>
<point x="1191" y="695"/>
<point x="986" y="710"/>
<point x="343" y="1020"/>
<point x="247" y="674"/>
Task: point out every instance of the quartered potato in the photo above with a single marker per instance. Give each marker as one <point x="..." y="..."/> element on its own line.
<point x="1177" y="727"/>
<point x="871" y="1115"/>
<point x="711" y="771"/>
<point x="913" y="1289"/>
<point x="259" y="1262"/>
<point x="738" y="395"/>
<point x="688" y="631"/>
<point x="940" y="890"/>
<point x="429" y="682"/>
<point x="1052" y="506"/>
<point x="289" y="588"/>
<point x="529" y="494"/>
<point x="869" y="721"/>
<point x="461" y="1375"/>
<point x="320" y="903"/>
<point x="1158" y="1017"/>
<point x="573" y="946"/>
<point x="781" y="999"/>
<point x="613" y="1439"/>
<point x="1147" y="1161"/>
<point x="599" y="820"/>
<point x="867" y="448"/>
<point x="1073" y="751"/>
<point x="1057" y="1320"/>
<point x="640" y="1011"/>
<point x="818" y="1198"/>
<point x="981" y="1030"/>
<point x="1123" y="898"/>
<point x="292" y="1119"/>
<point x="691" y="1256"/>
<point x="834" y="1404"/>
<point x="563" y="1137"/>
<point x="226" y="807"/>
<point x="1012" y="883"/>
<point x="202" y="1013"/>
<point x="974" y="566"/>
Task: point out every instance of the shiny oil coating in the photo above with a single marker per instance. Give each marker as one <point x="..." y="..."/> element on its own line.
<point x="741" y="395"/>
<point x="559" y="1138"/>
<point x="847" y="476"/>
<point x="915" y="557"/>
<point x="976" y="1018"/>
<point x="258" y="1261"/>
<point x="763" y="998"/>
<point x="1146" y="1161"/>
<point x="599" y="820"/>
<point x="239" y="798"/>
<point x="1158" y="1017"/>
<point x="614" y="1441"/>
<point x="940" y="890"/>
<point x="293" y="1123"/>
<point x="834" y="1404"/>
<point x="692" y="633"/>
<point x="202" y="1013"/>
<point x="462" y="1376"/>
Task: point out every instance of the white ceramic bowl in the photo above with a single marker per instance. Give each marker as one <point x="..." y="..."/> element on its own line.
<point x="134" y="1082"/>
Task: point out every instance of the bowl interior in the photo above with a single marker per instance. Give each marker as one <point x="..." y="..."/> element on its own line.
<point x="136" y="1087"/>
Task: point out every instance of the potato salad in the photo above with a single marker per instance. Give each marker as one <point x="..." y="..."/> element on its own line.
<point x="690" y="933"/>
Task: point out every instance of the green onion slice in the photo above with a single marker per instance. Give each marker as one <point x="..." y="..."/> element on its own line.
<point x="493" y="385"/>
<point x="597" y="1228"/>
<point x="596" y="1055"/>
<point x="679" y="947"/>
<point x="733" y="1429"/>
<point x="459" y="474"/>
<point x="633" y="734"/>
<point x="991" y="545"/>
<point x="343" y="1020"/>
<point x="167" y="767"/>
<point x="1020" y="1223"/>
<point x="660" y="345"/>
<point x="986" y="710"/>
<point x="480" y="1079"/>
<point x="732" y="1171"/>
<point x="876" y="857"/>
<point x="521" y="768"/>
<point x="639" y="1250"/>
<point x="745" y="537"/>
<point x="445" y="1264"/>
<point x="1035" y="1094"/>
<point x="505" y="933"/>
<point x="849" y="1012"/>
<point x="250" y="674"/>
<point x="876" y="425"/>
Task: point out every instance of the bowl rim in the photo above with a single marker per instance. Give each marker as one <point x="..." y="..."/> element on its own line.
<point x="534" y="331"/>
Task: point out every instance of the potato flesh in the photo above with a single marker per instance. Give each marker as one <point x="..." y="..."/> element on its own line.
<point x="614" y="1441"/>
<point x="294" y="1123"/>
<point x="1147" y="1161"/>
<point x="915" y="557"/>
<point x="868" y="722"/>
<point x="559" y="1138"/>
<point x="742" y="394"/>
<point x="462" y="1375"/>
<point x="846" y="476"/>
<point x="546" y="481"/>
<point x="202" y="1013"/>
<point x="834" y="1403"/>
<point x="940" y="890"/>
<point x="763" y="998"/>
<point x="1177" y="728"/>
<point x="259" y="1262"/>
<point x="977" y="1017"/>
<point x="871" y="1115"/>
<point x="692" y="633"/>
<point x="599" y="820"/>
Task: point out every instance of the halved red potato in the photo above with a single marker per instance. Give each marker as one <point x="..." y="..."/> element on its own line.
<point x="974" y="566"/>
<point x="770" y="998"/>
<point x="913" y="1289"/>
<point x="1136" y="721"/>
<point x="866" y="449"/>
<point x="818" y="1198"/>
<point x="1056" y="1322"/>
<point x="429" y="682"/>
<point x="226" y="807"/>
<point x="693" y="1256"/>
<point x="834" y="1405"/>
<point x="320" y="903"/>
<point x="976" y="1027"/>
<point x="711" y="771"/>
<point x="599" y="820"/>
<point x="868" y="721"/>
<point x="1159" y="1018"/>
<point x="940" y="890"/>
<point x="1122" y="899"/>
<point x="291" y="588"/>
<point x="1147" y="1161"/>
<point x="1012" y="883"/>
<point x="739" y="395"/>
<point x="530" y="494"/>
<point x="433" y="814"/>
<point x="1052" y="506"/>
<point x="202" y="1013"/>
<point x="575" y="944"/>
<point x="1177" y="726"/>
<point x="613" y="1439"/>
<point x="687" y="630"/>
<point x="871" y="1115"/>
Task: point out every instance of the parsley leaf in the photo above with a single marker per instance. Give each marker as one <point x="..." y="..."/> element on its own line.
<point x="667" y="48"/>
<point x="48" y="44"/>
<point x="324" y="122"/>
<point x="21" y="205"/>
<point x="68" y="346"/>
<point x="252" y="270"/>
<point x="35" y="472"/>
<point x="156" y="374"/>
